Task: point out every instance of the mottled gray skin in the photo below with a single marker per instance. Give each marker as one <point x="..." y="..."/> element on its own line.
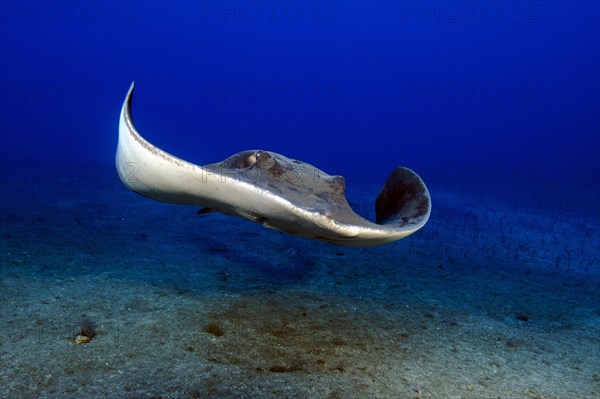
<point x="300" y="183"/>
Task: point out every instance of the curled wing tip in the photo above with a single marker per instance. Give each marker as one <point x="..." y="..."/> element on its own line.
<point x="404" y="201"/>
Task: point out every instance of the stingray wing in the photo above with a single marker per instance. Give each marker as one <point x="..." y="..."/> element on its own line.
<point x="154" y="173"/>
<point x="403" y="207"/>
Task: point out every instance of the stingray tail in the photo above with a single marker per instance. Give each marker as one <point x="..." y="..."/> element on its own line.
<point x="404" y="201"/>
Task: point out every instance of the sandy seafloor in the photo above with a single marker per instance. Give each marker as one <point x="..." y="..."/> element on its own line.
<point x="491" y="299"/>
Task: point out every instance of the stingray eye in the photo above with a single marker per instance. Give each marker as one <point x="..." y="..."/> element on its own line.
<point x="258" y="154"/>
<point x="250" y="160"/>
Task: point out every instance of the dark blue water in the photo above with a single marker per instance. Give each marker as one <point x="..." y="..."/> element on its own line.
<point x="494" y="91"/>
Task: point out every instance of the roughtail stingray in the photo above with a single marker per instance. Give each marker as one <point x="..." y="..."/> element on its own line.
<point x="278" y="192"/>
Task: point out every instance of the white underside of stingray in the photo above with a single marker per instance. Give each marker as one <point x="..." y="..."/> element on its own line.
<point x="280" y="193"/>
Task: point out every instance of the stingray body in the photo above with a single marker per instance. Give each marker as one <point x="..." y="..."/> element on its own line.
<point x="280" y="193"/>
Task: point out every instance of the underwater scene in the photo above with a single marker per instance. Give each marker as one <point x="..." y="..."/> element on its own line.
<point x="300" y="199"/>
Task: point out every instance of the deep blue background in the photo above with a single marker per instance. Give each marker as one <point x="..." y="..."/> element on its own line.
<point x="497" y="92"/>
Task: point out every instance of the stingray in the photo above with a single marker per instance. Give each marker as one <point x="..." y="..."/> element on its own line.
<point x="268" y="188"/>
